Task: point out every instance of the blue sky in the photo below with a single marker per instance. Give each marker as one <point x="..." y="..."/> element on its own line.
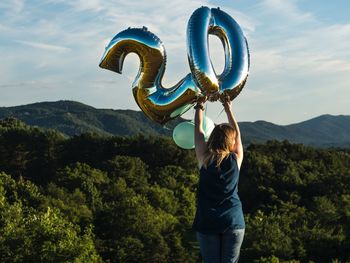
<point x="300" y="55"/>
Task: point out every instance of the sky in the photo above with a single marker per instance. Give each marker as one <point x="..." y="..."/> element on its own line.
<point x="299" y="49"/>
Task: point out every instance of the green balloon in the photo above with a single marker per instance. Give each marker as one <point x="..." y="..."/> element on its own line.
<point x="183" y="135"/>
<point x="208" y="127"/>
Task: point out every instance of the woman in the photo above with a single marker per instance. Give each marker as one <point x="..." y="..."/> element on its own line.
<point x="219" y="220"/>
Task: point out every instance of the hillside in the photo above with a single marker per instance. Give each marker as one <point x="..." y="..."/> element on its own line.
<point x="323" y="131"/>
<point x="72" y="118"/>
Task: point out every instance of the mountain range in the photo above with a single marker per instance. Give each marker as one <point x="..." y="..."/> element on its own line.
<point x="73" y="118"/>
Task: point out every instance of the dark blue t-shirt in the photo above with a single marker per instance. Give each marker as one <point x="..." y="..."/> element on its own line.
<point x="218" y="204"/>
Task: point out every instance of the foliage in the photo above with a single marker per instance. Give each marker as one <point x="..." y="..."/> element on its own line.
<point x="91" y="198"/>
<point x="28" y="234"/>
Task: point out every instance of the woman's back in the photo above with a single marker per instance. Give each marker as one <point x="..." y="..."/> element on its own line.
<point x="218" y="203"/>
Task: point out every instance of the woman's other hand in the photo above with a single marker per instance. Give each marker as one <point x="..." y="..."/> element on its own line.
<point x="226" y="101"/>
<point x="201" y="101"/>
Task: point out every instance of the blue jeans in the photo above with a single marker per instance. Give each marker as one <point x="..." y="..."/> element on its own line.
<point x="221" y="248"/>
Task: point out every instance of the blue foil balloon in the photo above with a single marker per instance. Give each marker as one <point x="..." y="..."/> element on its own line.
<point x="205" y="21"/>
<point x="162" y="104"/>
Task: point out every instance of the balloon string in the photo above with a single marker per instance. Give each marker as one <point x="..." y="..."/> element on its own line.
<point x="206" y="111"/>
<point x="194" y="112"/>
<point x="220" y="113"/>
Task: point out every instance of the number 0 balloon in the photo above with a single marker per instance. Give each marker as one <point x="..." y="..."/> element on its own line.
<point x="162" y="104"/>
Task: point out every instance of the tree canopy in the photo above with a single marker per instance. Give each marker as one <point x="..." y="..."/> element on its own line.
<point x="92" y="198"/>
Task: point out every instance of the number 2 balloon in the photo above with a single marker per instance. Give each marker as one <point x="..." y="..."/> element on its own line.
<point x="162" y="104"/>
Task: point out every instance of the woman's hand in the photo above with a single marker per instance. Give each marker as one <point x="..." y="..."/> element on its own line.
<point x="200" y="102"/>
<point x="226" y="102"/>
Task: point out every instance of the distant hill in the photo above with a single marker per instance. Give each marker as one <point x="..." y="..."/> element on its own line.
<point x="73" y="118"/>
<point x="323" y="131"/>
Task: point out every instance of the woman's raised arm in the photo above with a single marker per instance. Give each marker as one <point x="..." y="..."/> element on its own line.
<point x="238" y="148"/>
<point x="199" y="141"/>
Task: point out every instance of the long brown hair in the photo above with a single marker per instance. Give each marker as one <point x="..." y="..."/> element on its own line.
<point x="220" y="144"/>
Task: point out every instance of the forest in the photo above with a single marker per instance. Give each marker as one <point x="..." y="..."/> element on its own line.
<point x="94" y="198"/>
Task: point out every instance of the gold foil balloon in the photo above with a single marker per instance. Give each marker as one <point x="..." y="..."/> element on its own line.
<point x="158" y="103"/>
<point x="161" y="104"/>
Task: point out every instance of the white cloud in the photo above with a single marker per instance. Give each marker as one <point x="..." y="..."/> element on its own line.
<point x="311" y="48"/>
<point x="3" y="28"/>
<point x="287" y="10"/>
<point x="293" y="55"/>
<point x="83" y="5"/>
<point x="44" y="46"/>
<point x="80" y="5"/>
<point x="13" y="6"/>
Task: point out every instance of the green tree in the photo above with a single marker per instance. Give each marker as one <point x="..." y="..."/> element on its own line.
<point x="129" y="223"/>
<point x="85" y="178"/>
<point x="28" y="234"/>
